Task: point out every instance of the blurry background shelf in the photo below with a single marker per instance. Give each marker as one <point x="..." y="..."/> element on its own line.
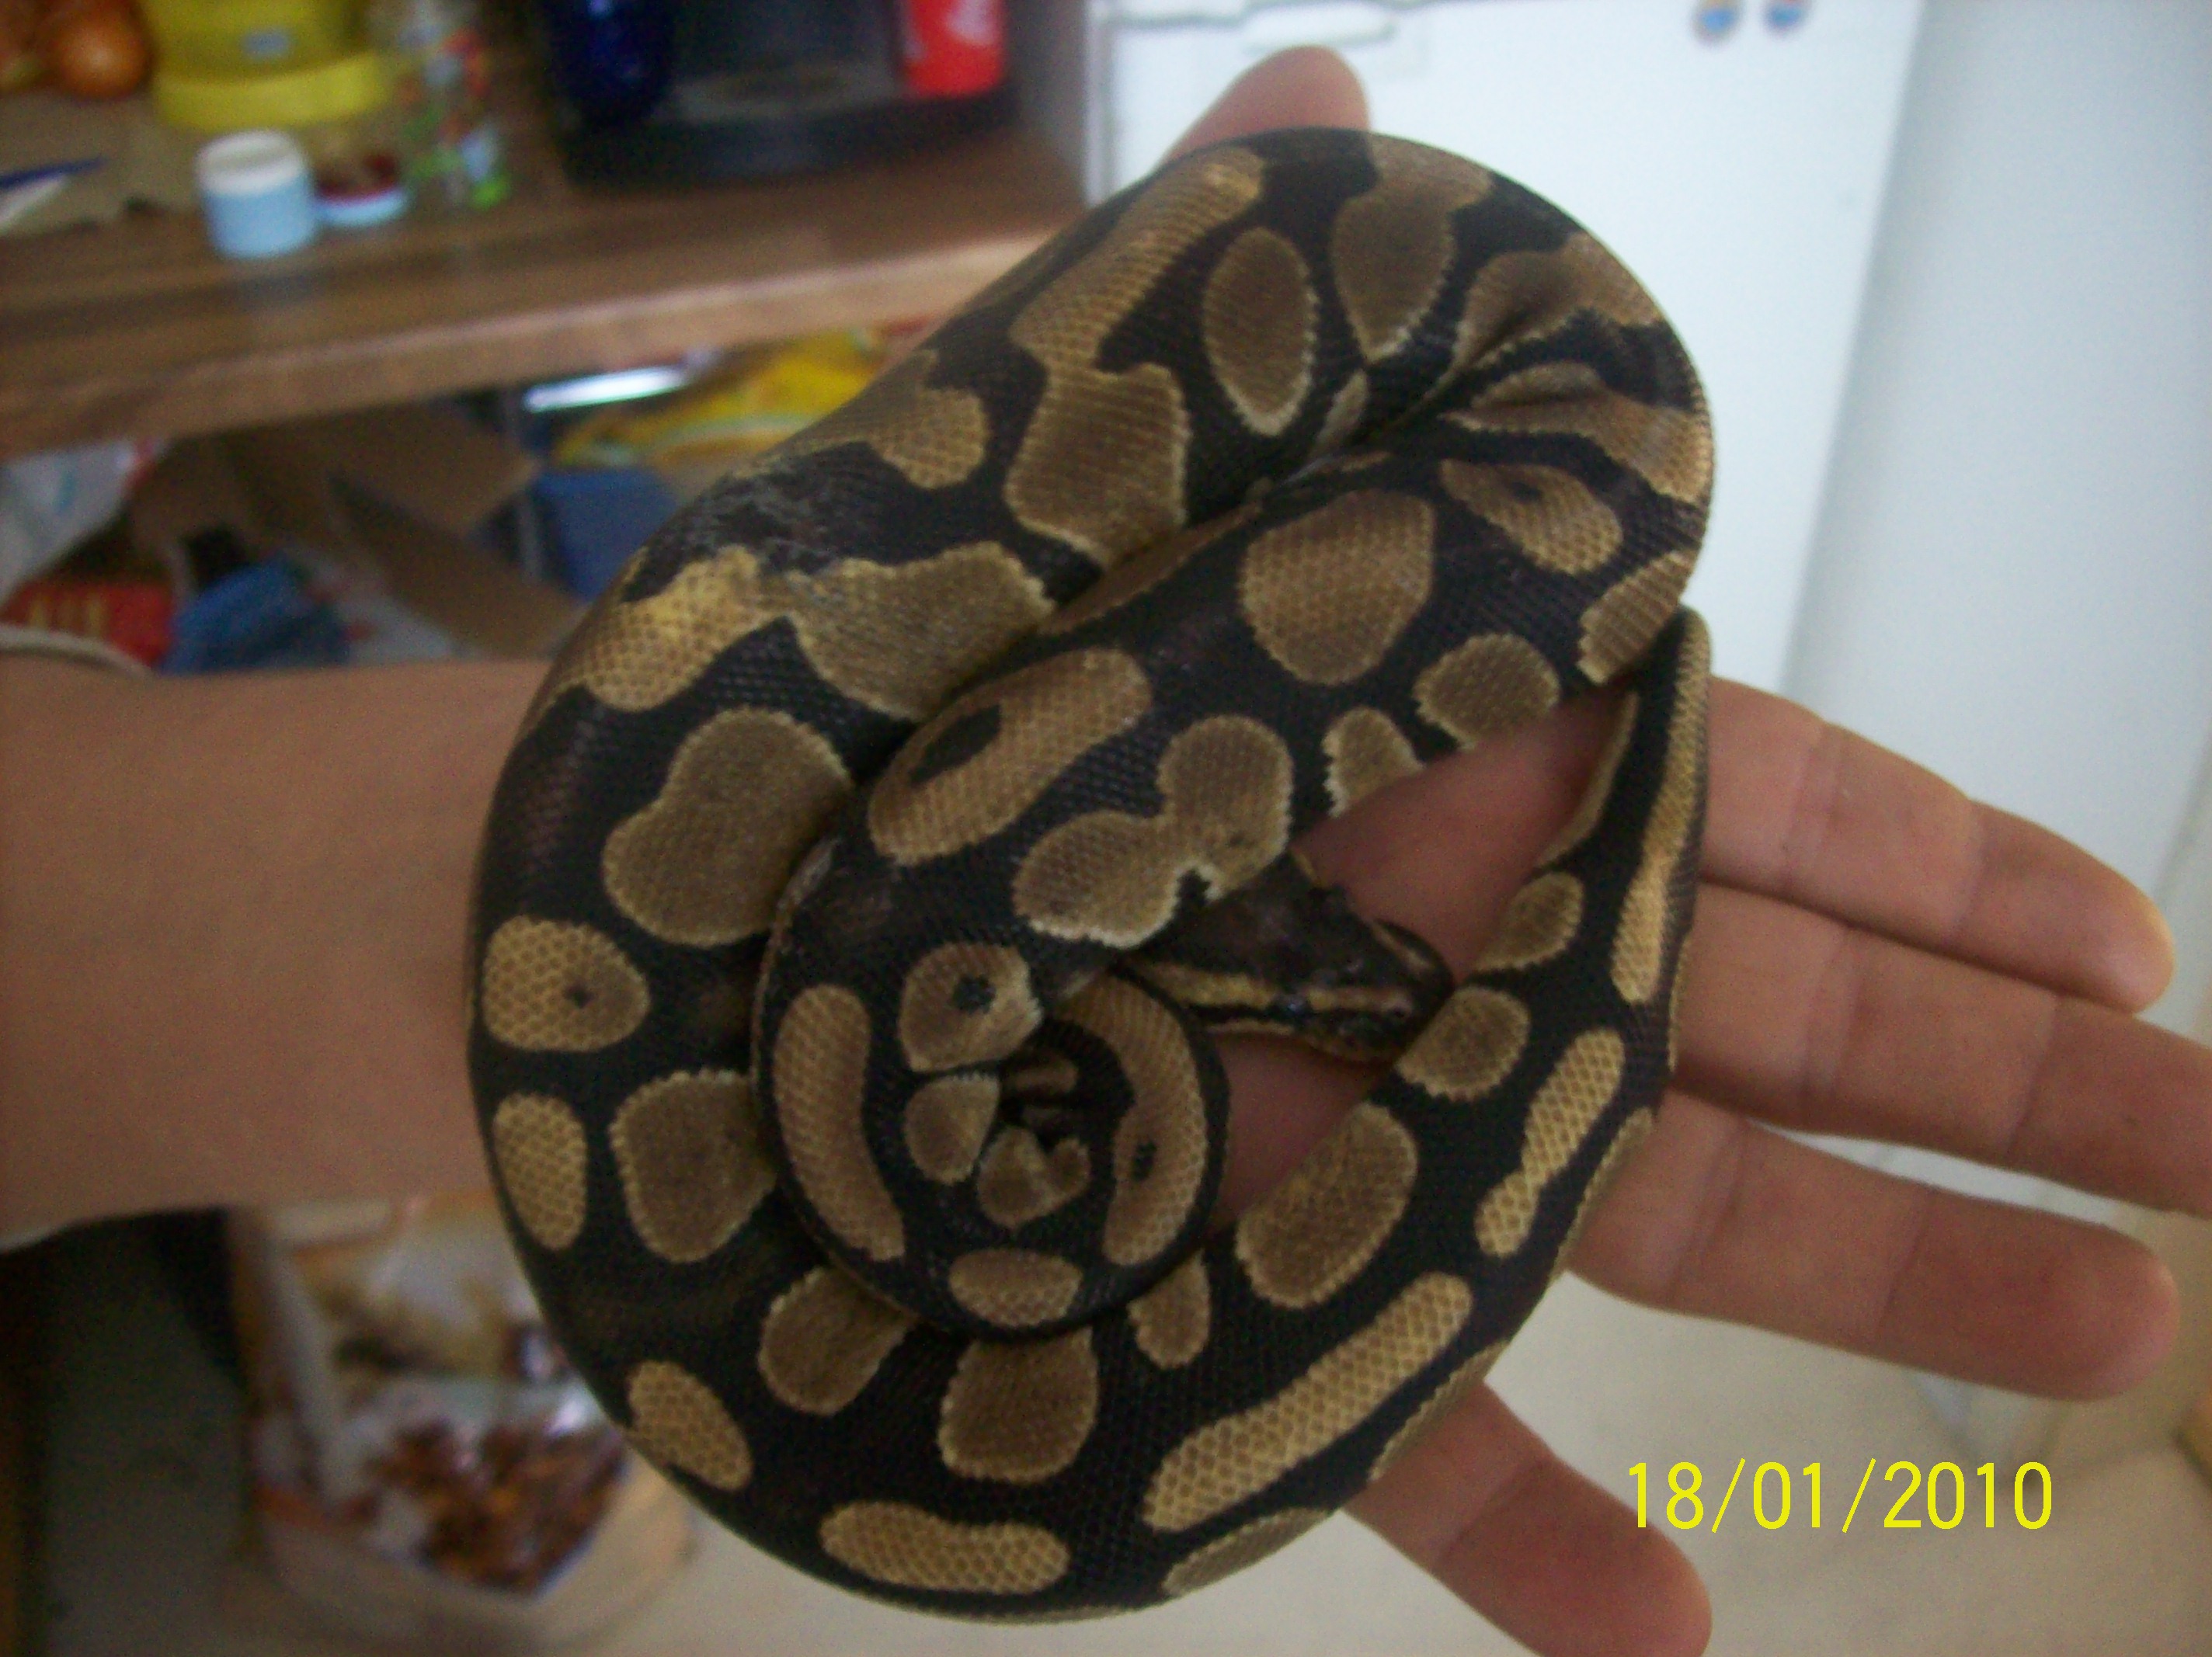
<point x="138" y="329"/>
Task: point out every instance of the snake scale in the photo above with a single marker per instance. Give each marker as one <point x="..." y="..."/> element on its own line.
<point x="880" y="851"/>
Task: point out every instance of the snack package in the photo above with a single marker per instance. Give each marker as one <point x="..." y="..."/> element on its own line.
<point x="425" y="1465"/>
<point x="752" y="403"/>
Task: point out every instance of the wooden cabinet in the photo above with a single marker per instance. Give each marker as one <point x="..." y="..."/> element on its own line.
<point x="139" y="329"/>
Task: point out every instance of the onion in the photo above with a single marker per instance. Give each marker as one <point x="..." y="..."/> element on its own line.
<point x="96" y="50"/>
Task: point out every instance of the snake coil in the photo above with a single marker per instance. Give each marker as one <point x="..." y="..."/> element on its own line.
<point x="875" y="859"/>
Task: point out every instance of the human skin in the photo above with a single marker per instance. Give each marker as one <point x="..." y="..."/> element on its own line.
<point x="231" y="913"/>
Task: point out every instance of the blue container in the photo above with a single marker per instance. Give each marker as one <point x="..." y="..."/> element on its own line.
<point x="597" y="517"/>
<point x="260" y="616"/>
<point x="259" y="194"/>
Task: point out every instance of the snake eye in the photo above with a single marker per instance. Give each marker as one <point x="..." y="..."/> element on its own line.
<point x="973" y="993"/>
<point x="1141" y="1162"/>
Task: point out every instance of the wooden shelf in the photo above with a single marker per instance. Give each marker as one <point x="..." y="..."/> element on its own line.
<point x="139" y="329"/>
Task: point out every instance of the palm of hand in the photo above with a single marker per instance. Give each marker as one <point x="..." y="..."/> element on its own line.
<point x="1876" y="956"/>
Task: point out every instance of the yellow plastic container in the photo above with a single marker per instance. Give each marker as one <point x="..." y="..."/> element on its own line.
<point x="246" y="36"/>
<point x="338" y="90"/>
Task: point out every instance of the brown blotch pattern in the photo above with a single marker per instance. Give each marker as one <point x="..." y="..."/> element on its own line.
<point x="1315" y="1232"/>
<point x="966" y="1004"/>
<point x="1047" y="716"/>
<point x="1550" y="516"/>
<point x="1248" y="1545"/>
<point x="1561" y="1117"/>
<point x="910" y="1547"/>
<point x="1173" y="1319"/>
<point x="747" y="793"/>
<point x="1327" y="594"/>
<point x="1624" y="620"/>
<point x="1042" y="1071"/>
<point x="1013" y="1288"/>
<point x="1449" y="1395"/>
<point x="1365" y="752"/>
<point x="1056" y="485"/>
<point x="1113" y="879"/>
<point x="1517" y="298"/>
<point x="1469" y="1047"/>
<point x="1019" y="1412"/>
<point x="823" y="1339"/>
<point x="1020" y="1180"/>
<point x="1389" y="248"/>
<point x="1237" y="1457"/>
<point x="559" y="986"/>
<point x="1257" y="319"/>
<point x="899" y="638"/>
<point x="538" y="1145"/>
<point x="1670" y="450"/>
<point x="688" y="1147"/>
<point x="1639" y="945"/>
<point x="1674" y="1008"/>
<point x="634" y="655"/>
<point x="894" y="637"/>
<point x="945" y="1123"/>
<point x="1346" y="410"/>
<point x="1493" y="683"/>
<point x="1541" y="920"/>
<point x="1625" y="1143"/>
<point x="820" y="1070"/>
<point x="1164" y="1129"/>
<point x="677" y="1421"/>
<point x="1139" y="574"/>
<point x="935" y="435"/>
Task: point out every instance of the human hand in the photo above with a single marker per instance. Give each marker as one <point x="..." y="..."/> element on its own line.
<point x="1874" y="955"/>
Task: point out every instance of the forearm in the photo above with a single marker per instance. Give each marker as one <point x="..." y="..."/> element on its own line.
<point x="230" y="932"/>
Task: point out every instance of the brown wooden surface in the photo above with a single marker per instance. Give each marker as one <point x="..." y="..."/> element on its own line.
<point x="138" y="329"/>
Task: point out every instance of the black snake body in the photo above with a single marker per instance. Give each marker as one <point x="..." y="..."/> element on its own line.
<point x="868" y="1186"/>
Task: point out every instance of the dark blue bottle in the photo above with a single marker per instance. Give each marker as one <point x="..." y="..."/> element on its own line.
<point x="612" y="55"/>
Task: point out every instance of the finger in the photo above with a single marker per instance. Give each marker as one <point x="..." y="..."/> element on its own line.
<point x="1817" y="1026"/>
<point x="1806" y="811"/>
<point x="1483" y="1506"/>
<point x="1441" y="852"/>
<point x="1720" y="1218"/>
<point x="1306" y="86"/>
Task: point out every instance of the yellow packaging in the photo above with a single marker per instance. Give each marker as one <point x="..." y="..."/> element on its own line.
<point x="337" y="90"/>
<point x="243" y="37"/>
<point x="763" y="399"/>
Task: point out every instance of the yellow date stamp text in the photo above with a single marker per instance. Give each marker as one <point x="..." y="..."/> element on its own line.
<point x="1940" y="1499"/>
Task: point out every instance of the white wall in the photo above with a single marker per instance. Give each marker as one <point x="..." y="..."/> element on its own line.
<point x="2012" y="581"/>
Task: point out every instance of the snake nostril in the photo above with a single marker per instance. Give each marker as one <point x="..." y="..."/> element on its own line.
<point x="578" y="995"/>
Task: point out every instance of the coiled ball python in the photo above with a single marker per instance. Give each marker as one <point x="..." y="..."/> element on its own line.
<point x="878" y="853"/>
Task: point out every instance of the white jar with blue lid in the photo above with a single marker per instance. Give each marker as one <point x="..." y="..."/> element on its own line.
<point x="259" y="194"/>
